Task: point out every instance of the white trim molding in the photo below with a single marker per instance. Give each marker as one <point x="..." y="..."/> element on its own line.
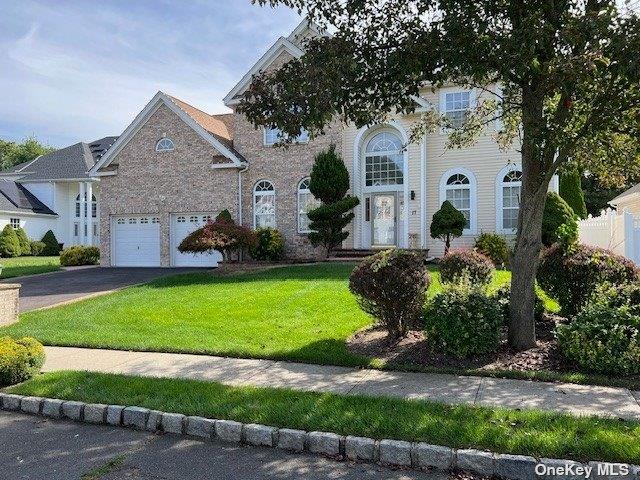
<point x="473" y="196"/>
<point x="281" y="45"/>
<point x="159" y="99"/>
<point x="510" y="167"/>
<point x="262" y="193"/>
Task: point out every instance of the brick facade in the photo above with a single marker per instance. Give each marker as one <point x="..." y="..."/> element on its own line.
<point x="162" y="183"/>
<point x="285" y="168"/>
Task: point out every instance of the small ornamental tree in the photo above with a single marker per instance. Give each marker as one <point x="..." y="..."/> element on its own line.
<point x="52" y="246"/>
<point x="447" y="223"/>
<point x="25" y="243"/>
<point x="223" y="235"/>
<point x="9" y="243"/>
<point x="571" y="192"/>
<point x="329" y="184"/>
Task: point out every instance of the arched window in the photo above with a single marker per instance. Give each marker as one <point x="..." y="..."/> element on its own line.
<point x="306" y="202"/>
<point x="508" y="190"/>
<point x="264" y="205"/>
<point x="164" y="145"/>
<point x="384" y="160"/>
<point x="94" y="206"/>
<point x="458" y="186"/>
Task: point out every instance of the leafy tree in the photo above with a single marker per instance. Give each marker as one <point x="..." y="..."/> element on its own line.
<point x="557" y="212"/>
<point x="52" y="246"/>
<point x="447" y="223"/>
<point x="223" y="235"/>
<point x="25" y="243"/>
<point x="571" y="192"/>
<point x="12" y="153"/>
<point x="9" y="243"/>
<point x="329" y="184"/>
<point x="569" y="89"/>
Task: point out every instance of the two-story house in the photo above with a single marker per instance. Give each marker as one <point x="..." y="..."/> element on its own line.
<point x="55" y="192"/>
<point x="176" y="166"/>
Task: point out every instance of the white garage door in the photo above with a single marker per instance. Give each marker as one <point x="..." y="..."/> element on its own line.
<point x="136" y="241"/>
<point x="181" y="226"/>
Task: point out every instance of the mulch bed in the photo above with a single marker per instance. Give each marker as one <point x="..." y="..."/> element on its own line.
<point x="414" y="349"/>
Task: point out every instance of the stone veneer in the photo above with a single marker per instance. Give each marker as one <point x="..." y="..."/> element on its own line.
<point x="180" y="181"/>
<point x="9" y="303"/>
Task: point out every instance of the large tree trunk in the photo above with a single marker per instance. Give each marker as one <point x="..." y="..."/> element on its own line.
<point x="535" y="183"/>
<point x="522" y="325"/>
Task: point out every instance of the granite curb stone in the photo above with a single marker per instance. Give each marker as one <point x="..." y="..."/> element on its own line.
<point x="394" y="453"/>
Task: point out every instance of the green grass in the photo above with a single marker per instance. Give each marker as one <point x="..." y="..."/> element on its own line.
<point x="526" y="432"/>
<point x="301" y="313"/>
<point x="17" y="267"/>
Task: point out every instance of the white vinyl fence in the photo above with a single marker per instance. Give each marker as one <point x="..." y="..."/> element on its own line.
<point x="619" y="232"/>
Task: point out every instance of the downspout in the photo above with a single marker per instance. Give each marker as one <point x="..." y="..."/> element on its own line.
<point x="240" y="172"/>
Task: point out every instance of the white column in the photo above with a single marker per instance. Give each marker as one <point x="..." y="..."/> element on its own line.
<point x="89" y="219"/>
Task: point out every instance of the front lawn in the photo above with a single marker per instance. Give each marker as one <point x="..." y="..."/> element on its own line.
<point x="302" y="313"/>
<point x="20" y="266"/>
<point x="536" y="433"/>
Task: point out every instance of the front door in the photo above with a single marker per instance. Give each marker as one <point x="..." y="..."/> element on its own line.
<point x="383" y="218"/>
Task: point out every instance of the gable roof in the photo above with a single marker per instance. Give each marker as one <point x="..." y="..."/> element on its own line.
<point x="210" y="127"/>
<point x="281" y="45"/>
<point x="16" y="198"/>
<point x="627" y="194"/>
<point x="72" y="162"/>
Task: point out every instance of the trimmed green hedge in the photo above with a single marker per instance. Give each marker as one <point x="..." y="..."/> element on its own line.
<point x="79" y="255"/>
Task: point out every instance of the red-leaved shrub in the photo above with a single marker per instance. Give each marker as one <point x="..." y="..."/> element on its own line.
<point x="223" y="235"/>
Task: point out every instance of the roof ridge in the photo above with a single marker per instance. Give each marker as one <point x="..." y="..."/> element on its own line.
<point x="187" y="103"/>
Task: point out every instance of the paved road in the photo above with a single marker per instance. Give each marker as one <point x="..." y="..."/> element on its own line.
<point x="46" y="290"/>
<point x="38" y="448"/>
<point x="493" y="392"/>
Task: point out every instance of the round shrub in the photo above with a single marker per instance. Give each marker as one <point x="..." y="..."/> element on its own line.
<point x="603" y="339"/>
<point x="494" y="247"/>
<point x="79" y="255"/>
<point x="9" y="243"/>
<point x="391" y="287"/>
<point x="270" y="245"/>
<point x="463" y="320"/>
<point x="458" y="265"/>
<point x="19" y="359"/>
<point x="572" y="276"/>
<point x="558" y="213"/>
<point x="503" y="296"/>
<point x="37" y="248"/>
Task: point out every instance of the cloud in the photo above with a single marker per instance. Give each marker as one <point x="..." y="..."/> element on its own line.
<point x="77" y="73"/>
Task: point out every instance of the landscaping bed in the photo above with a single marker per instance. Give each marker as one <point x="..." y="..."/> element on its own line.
<point x="536" y="433"/>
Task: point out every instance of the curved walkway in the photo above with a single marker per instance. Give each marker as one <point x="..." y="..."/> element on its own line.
<point x="557" y="397"/>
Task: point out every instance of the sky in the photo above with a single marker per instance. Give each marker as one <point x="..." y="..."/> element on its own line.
<point x="79" y="70"/>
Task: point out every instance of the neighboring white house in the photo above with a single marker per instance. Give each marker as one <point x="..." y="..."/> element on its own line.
<point x="55" y="192"/>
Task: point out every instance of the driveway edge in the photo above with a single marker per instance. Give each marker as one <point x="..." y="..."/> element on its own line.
<point x="387" y="452"/>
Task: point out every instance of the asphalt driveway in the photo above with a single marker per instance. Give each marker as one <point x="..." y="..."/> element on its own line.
<point x="40" y="291"/>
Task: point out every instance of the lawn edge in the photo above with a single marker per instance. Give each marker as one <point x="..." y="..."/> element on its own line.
<point x="386" y="452"/>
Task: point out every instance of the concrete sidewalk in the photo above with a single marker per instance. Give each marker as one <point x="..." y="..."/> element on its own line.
<point x="558" y="397"/>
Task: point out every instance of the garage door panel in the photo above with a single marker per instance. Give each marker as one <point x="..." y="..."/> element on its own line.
<point x="136" y="241"/>
<point x="181" y="226"/>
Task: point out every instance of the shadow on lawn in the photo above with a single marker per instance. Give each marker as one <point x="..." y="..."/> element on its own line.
<point x="314" y="272"/>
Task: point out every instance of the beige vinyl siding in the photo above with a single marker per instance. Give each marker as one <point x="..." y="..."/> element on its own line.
<point x="484" y="159"/>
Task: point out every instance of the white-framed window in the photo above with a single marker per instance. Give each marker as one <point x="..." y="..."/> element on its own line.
<point x="14" y="222"/>
<point x="273" y="135"/>
<point x="508" y="192"/>
<point x="94" y="206"/>
<point x="193" y="219"/>
<point x="155" y="220"/>
<point x="458" y="186"/>
<point x="182" y="219"/>
<point x="133" y="221"/>
<point x="264" y="205"/>
<point x="76" y="228"/>
<point x="120" y="222"/>
<point x="384" y="160"/>
<point x="144" y="220"/>
<point x="455" y="106"/>
<point x="306" y="202"/>
<point x="164" y="145"/>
